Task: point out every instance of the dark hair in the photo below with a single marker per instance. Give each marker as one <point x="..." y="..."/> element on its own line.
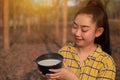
<point x="95" y="8"/>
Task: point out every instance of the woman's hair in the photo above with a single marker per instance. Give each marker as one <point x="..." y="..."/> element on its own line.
<point x="95" y="8"/>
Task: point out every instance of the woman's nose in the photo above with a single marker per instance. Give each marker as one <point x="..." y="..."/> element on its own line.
<point x="78" y="32"/>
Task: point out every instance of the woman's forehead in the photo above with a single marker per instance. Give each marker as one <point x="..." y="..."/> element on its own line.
<point x="84" y="17"/>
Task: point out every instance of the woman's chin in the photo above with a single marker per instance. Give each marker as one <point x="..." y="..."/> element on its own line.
<point x="79" y="44"/>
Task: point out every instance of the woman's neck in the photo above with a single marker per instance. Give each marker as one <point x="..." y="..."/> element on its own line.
<point x="84" y="52"/>
<point x="86" y="49"/>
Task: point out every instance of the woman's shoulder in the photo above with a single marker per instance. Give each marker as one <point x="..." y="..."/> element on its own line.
<point x="106" y="59"/>
<point x="103" y="57"/>
<point x="100" y="54"/>
<point x="69" y="48"/>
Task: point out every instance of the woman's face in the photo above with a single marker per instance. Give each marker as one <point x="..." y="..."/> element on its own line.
<point x="84" y="30"/>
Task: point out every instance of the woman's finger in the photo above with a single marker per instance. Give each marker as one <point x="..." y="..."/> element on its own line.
<point x="55" y="70"/>
<point x="41" y="74"/>
<point x="64" y="64"/>
<point x="54" y="75"/>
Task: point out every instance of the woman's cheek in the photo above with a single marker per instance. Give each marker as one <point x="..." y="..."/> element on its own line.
<point x="73" y="31"/>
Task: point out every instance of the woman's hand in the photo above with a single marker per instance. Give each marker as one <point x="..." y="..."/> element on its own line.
<point x="62" y="73"/>
<point x="42" y="77"/>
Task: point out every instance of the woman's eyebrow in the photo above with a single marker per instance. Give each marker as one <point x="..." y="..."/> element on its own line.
<point x="84" y="26"/>
<point x="75" y="23"/>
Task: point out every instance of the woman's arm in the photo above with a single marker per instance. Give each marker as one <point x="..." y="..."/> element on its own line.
<point x="62" y="73"/>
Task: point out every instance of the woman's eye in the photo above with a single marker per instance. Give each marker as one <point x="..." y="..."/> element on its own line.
<point x="74" y="26"/>
<point x="85" y="29"/>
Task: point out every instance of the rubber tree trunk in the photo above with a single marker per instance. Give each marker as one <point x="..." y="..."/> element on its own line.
<point x="57" y="5"/>
<point x="65" y="11"/>
<point x="15" y="17"/>
<point x="6" y="26"/>
<point x="28" y="20"/>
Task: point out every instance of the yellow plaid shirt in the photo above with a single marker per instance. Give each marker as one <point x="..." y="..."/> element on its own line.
<point x="98" y="66"/>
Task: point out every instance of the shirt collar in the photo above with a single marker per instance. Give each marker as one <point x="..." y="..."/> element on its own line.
<point x="95" y="54"/>
<point x="91" y="56"/>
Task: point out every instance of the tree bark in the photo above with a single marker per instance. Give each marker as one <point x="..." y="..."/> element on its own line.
<point x="6" y="26"/>
<point x="65" y="10"/>
<point x="15" y="20"/>
<point x="28" y="20"/>
<point x="57" y="19"/>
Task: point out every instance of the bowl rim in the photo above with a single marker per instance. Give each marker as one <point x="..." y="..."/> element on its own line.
<point x="41" y="57"/>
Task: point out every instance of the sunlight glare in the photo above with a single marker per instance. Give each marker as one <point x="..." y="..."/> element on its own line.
<point x="36" y="1"/>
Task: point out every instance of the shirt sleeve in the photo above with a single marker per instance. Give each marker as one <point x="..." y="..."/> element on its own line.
<point x="108" y="71"/>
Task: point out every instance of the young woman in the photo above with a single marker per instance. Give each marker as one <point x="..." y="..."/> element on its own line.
<point x="88" y="58"/>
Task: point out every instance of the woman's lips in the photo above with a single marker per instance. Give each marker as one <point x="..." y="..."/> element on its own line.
<point x="78" y="40"/>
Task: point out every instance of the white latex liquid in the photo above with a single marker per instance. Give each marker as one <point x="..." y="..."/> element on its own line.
<point x="49" y="62"/>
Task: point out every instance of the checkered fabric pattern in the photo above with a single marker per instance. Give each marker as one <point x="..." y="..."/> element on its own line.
<point x="98" y="65"/>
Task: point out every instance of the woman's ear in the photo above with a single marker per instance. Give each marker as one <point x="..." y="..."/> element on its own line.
<point x="99" y="31"/>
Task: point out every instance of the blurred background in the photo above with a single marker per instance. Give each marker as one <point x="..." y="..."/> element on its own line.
<point x="29" y="28"/>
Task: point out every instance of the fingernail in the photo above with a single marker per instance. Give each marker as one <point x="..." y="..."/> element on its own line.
<point x="50" y="69"/>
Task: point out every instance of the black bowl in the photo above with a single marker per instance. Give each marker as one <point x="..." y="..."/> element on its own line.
<point x="49" y="61"/>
